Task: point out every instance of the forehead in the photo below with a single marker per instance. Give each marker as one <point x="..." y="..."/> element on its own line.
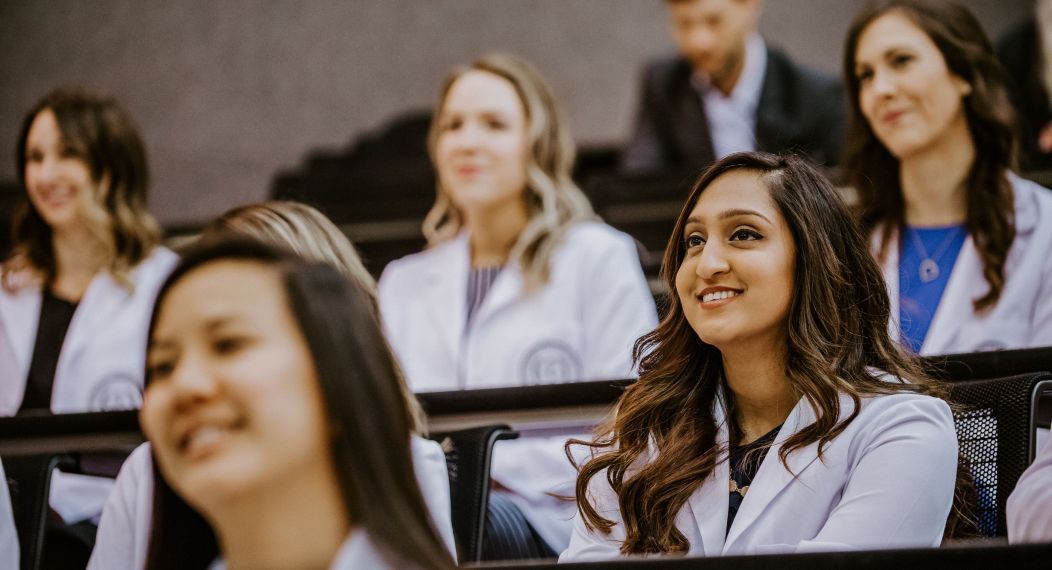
<point x="736" y="190"/>
<point x="478" y="90"/>
<point x="693" y="9"/>
<point x="44" y="127"/>
<point x="893" y="30"/>
<point x="242" y="289"/>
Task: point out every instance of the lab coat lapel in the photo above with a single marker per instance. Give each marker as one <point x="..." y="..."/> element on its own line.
<point x="98" y="307"/>
<point x="20" y="315"/>
<point x="709" y="504"/>
<point x="772" y="477"/>
<point x="445" y="292"/>
<point x="955" y="307"/>
<point x="505" y="290"/>
<point x="891" y="279"/>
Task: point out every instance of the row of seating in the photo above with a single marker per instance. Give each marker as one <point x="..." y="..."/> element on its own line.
<point x="1005" y="397"/>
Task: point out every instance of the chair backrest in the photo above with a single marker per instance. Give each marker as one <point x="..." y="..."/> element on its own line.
<point x="468" y="455"/>
<point x="29" y="480"/>
<point x="996" y="434"/>
<point x="991" y="364"/>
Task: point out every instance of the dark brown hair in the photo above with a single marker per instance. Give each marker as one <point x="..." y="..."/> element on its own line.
<point x="873" y="170"/>
<point x="837" y="334"/>
<point x="359" y="382"/>
<point x="97" y="131"/>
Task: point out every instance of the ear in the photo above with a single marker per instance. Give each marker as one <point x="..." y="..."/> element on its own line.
<point x="963" y="87"/>
<point x="103" y="187"/>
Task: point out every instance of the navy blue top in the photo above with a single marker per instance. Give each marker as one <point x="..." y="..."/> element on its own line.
<point x="918" y="299"/>
<point x="745" y="461"/>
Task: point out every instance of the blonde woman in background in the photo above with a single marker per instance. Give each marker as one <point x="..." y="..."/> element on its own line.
<point x="125" y="525"/>
<point x="520" y="283"/>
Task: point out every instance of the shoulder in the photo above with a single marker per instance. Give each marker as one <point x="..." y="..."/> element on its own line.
<point x="799" y="77"/>
<point x="659" y="73"/>
<point x="882" y="414"/>
<point x="409" y="268"/>
<point x="591" y="234"/>
<point x="424" y="449"/>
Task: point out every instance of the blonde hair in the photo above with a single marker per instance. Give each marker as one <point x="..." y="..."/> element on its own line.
<point x="98" y="131"/>
<point x="306" y="232"/>
<point x="553" y="200"/>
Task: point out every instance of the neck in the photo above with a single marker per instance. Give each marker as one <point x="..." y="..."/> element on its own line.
<point x="300" y="523"/>
<point x="763" y="397"/>
<point x="934" y="180"/>
<point x="493" y="234"/>
<point x="78" y="257"/>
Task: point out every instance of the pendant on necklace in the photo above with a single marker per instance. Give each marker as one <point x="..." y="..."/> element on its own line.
<point x="929" y="271"/>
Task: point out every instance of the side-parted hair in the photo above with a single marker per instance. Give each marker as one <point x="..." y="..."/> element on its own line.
<point x="553" y="200"/>
<point x="358" y="379"/>
<point x="99" y="132"/>
<point x="874" y="171"/>
<point x="308" y="233"/>
<point x="837" y="334"/>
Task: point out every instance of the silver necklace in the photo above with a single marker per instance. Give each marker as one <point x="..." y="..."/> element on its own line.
<point x="929" y="266"/>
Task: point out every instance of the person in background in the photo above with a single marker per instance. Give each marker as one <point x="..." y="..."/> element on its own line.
<point x="1029" y="510"/>
<point x="124" y="528"/>
<point x="76" y="293"/>
<point x="519" y="284"/>
<point x="280" y="436"/>
<point x="728" y="91"/>
<point x="773" y="412"/>
<point x="1026" y="52"/>
<point x="962" y="239"/>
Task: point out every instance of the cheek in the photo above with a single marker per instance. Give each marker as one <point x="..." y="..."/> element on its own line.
<point x="154" y="412"/>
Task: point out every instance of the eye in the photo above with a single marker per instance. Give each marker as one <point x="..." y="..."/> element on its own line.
<point x="864" y="75"/>
<point x="901" y="59"/>
<point x="449" y="125"/>
<point x="496" y="124"/>
<point x="693" y="240"/>
<point x="68" y="152"/>
<point x="228" y="344"/>
<point x="34" y="156"/>
<point x="160" y="369"/>
<point x="744" y="234"/>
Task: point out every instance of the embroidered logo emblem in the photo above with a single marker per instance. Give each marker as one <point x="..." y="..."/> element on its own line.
<point x="548" y="362"/>
<point x="116" y="393"/>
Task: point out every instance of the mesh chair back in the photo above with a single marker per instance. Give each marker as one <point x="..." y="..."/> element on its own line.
<point x="995" y="431"/>
<point x="468" y="456"/>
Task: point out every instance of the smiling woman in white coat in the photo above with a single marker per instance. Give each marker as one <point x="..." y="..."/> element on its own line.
<point x="773" y="412"/>
<point x="963" y="241"/>
<point x="520" y="283"/>
<point x="77" y="291"/>
<point x="280" y="436"/>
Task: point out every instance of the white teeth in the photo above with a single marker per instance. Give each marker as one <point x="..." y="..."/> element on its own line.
<point x="203" y="437"/>
<point x="718" y="296"/>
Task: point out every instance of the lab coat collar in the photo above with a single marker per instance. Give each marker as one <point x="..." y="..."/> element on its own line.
<point x="445" y="288"/>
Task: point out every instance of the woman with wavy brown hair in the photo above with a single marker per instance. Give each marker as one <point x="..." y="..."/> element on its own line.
<point x="77" y="290"/>
<point x="963" y="240"/>
<point x="773" y="411"/>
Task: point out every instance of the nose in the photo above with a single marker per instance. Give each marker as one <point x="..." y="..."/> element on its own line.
<point x="192" y="381"/>
<point x="468" y="137"/>
<point x="43" y="170"/>
<point x="882" y="84"/>
<point x="701" y="41"/>
<point x="712" y="261"/>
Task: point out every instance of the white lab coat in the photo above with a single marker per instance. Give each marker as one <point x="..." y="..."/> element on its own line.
<point x="580" y="326"/>
<point x="9" y="549"/>
<point x="358" y="552"/>
<point x="124" y="531"/>
<point x="1029" y="509"/>
<point x="100" y="366"/>
<point x="1022" y="317"/>
<point x="885" y="482"/>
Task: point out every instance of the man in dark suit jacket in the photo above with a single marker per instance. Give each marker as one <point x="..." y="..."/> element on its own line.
<point x="1021" y="51"/>
<point x="726" y="75"/>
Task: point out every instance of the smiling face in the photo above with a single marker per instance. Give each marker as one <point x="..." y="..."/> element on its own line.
<point x="58" y="180"/>
<point x="481" y="148"/>
<point x="736" y="283"/>
<point x="232" y="404"/>
<point x="908" y="95"/>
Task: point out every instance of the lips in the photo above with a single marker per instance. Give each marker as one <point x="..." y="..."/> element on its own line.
<point x="712" y="297"/>
<point x="203" y="437"/>
<point x="892" y="116"/>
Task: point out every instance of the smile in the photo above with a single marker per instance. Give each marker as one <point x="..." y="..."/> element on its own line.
<point x="202" y="440"/>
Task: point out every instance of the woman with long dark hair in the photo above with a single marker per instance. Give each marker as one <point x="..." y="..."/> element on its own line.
<point x="962" y="239"/>
<point x="280" y="436"/>
<point x="773" y="411"/>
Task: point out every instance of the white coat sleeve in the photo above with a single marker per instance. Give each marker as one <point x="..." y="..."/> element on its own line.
<point x="9" y="549"/>
<point x="432" y="475"/>
<point x="593" y="545"/>
<point x="1041" y="329"/>
<point x="1030" y="504"/>
<point x="617" y="309"/>
<point x="900" y="488"/>
<point x="124" y="530"/>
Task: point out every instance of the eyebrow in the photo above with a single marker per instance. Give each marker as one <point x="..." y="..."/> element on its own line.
<point x="732" y="214"/>
<point x="211" y="325"/>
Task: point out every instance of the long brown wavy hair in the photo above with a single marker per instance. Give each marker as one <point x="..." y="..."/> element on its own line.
<point x="98" y="131"/>
<point x="874" y="171"/>
<point x="837" y="334"/>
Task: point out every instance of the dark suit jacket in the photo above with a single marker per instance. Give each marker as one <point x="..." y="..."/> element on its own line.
<point x="1020" y="52"/>
<point x="798" y="110"/>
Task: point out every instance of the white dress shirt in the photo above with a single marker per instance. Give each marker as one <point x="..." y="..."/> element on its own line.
<point x="732" y="118"/>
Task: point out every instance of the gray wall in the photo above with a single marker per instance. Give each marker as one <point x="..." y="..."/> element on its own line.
<point x="229" y="92"/>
